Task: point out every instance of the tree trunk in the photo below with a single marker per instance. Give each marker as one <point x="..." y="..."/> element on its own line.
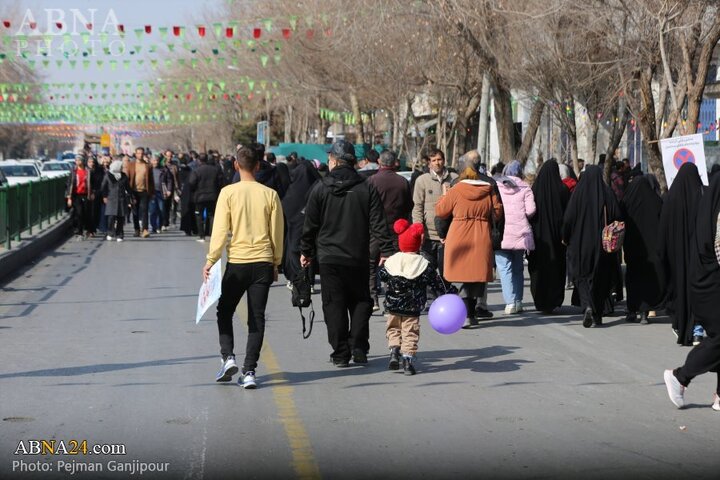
<point x="464" y="110"/>
<point x="504" y="121"/>
<point x="322" y="129"/>
<point x="647" y="127"/>
<point x="531" y="131"/>
<point x="288" y="123"/>
<point x="359" y="129"/>
<point x="695" y="89"/>
<point x="484" y="120"/>
<point x="617" y="133"/>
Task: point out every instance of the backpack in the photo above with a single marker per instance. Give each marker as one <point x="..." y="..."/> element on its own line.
<point x="302" y="298"/>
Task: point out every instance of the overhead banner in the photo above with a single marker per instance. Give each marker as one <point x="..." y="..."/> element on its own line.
<point x="677" y="151"/>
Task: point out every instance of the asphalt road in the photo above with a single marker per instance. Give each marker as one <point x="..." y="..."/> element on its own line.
<point x="99" y="344"/>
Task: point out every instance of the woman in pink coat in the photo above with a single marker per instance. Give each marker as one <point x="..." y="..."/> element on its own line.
<point x="519" y="205"/>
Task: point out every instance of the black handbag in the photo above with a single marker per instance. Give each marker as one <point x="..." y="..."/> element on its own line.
<point x="302" y="298"/>
<point x="496" y="227"/>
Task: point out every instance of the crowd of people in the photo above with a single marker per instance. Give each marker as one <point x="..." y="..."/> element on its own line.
<point x="444" y="231"/>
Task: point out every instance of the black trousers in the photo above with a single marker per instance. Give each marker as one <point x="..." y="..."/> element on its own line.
<point x="347" y="307"/>
<point x="702" y="359"/>
<point x="140" y="210"/>
<point x="204" y="214"/>
<point x="115" y="226"/>
<point x="374" y="260"/>
<point x="167" y="207"/>
<point x="255" y="279"/>
<point x="81" y="214"/>
<point x="434" y="252"/>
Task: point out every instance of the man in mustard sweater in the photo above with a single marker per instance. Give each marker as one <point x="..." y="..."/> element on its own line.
<point x="252" y="214"/>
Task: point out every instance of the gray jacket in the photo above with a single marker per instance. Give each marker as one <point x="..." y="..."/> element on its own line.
<point x="428" y="190"/>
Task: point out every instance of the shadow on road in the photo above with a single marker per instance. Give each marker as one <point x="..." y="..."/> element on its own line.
<point x="100" y="368"/>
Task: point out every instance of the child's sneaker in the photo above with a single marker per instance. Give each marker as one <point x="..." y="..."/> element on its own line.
<point x="394" y="359"/>
<point x="408" y="365"/>
<point x="716" y="403"/>
<point x="227" y="370"/>
<point x="518" y="307"/>
<point x="510" y="309"/>
<point x="247" y="380"/>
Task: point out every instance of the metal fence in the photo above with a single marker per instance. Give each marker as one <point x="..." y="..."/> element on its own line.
<point x="29" y="206"/>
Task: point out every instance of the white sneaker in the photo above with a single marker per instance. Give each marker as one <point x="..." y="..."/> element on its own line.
<point x="109" y="238"/>
<point x="247" y="380"/>
<point x="716" y="403"/>
<point x="510" y="309"/>
<point x="227" y="370"/>
<point x="119" y="239"/>
<point x="675" y="390"/>
<point x="518" y="307"/>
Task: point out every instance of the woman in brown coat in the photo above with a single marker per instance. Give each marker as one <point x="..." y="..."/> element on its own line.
<point x="468" y="246"/>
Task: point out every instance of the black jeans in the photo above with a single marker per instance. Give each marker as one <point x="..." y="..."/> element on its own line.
<point x="115" y="226"/>
<point x="702" y="359"/>
<point x="167" y="211"/>
<point x="81" y="215"/>
<point x="204" y="214"/>
<point x="374" y="260"/>
<point x="255" y="279"/>
<point x="140" y="210"/>
<point x="345" y="292"/>
<point x="434" y="252"/>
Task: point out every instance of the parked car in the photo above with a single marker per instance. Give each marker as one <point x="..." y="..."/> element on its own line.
<point x="407" y="175"/>
<point x="18" y="172"/>
<point x="54" y="169"/>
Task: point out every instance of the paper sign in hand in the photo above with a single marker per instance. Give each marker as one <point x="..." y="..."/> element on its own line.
<point x="209" y="291"/>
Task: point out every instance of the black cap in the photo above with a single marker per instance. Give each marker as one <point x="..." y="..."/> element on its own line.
<point x="343" y="150"/>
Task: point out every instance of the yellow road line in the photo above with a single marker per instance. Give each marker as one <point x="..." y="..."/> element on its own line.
<point x="303" y="458"/>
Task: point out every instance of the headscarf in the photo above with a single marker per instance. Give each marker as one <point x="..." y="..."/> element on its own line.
<point x="116" y="169"/>
<point x="513" y="169"/>
<point x="564" y="171"/>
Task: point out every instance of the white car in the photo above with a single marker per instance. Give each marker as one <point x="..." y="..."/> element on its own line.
<point x="54" y="169"/>
<point x="407" y="175"/>
<point x="18" y="172"/>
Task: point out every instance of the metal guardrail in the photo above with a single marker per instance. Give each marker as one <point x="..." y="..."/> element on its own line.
<point x="29" y="205"/>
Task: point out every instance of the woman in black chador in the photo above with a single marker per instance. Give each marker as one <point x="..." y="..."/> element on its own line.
<point x="676" y="234"/>
<point x="591" y="207"/>
<point x="546" y="263"/>
<point x="641" y="207"/>
<point x="302" y="177"/>
<point x="704" y="280"/>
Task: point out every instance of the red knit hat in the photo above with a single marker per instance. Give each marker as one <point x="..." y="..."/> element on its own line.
<point x="409" y="236"/>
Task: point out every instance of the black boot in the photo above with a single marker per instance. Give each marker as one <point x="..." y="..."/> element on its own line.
<point x="631" y="317"/>
<point x="394" y="359"/>
<point x="408" y="365"/>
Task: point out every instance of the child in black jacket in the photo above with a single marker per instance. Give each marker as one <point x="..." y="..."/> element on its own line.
<point x="407" y="275"/>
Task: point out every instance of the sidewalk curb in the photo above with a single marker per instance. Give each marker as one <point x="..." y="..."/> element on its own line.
<point x="16" y="258"/>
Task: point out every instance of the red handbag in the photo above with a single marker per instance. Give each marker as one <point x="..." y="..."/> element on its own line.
<point x="612" y="235"/>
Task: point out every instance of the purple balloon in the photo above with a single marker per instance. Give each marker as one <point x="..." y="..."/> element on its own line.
<point x="447" y="314"/>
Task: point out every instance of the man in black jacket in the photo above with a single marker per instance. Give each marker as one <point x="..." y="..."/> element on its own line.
<point x="342" y="213"/>
<point x="395" y="194"/>
<point x="205" y="183"/>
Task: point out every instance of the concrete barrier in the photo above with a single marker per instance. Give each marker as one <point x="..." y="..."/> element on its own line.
<point x="33" y="247"/>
